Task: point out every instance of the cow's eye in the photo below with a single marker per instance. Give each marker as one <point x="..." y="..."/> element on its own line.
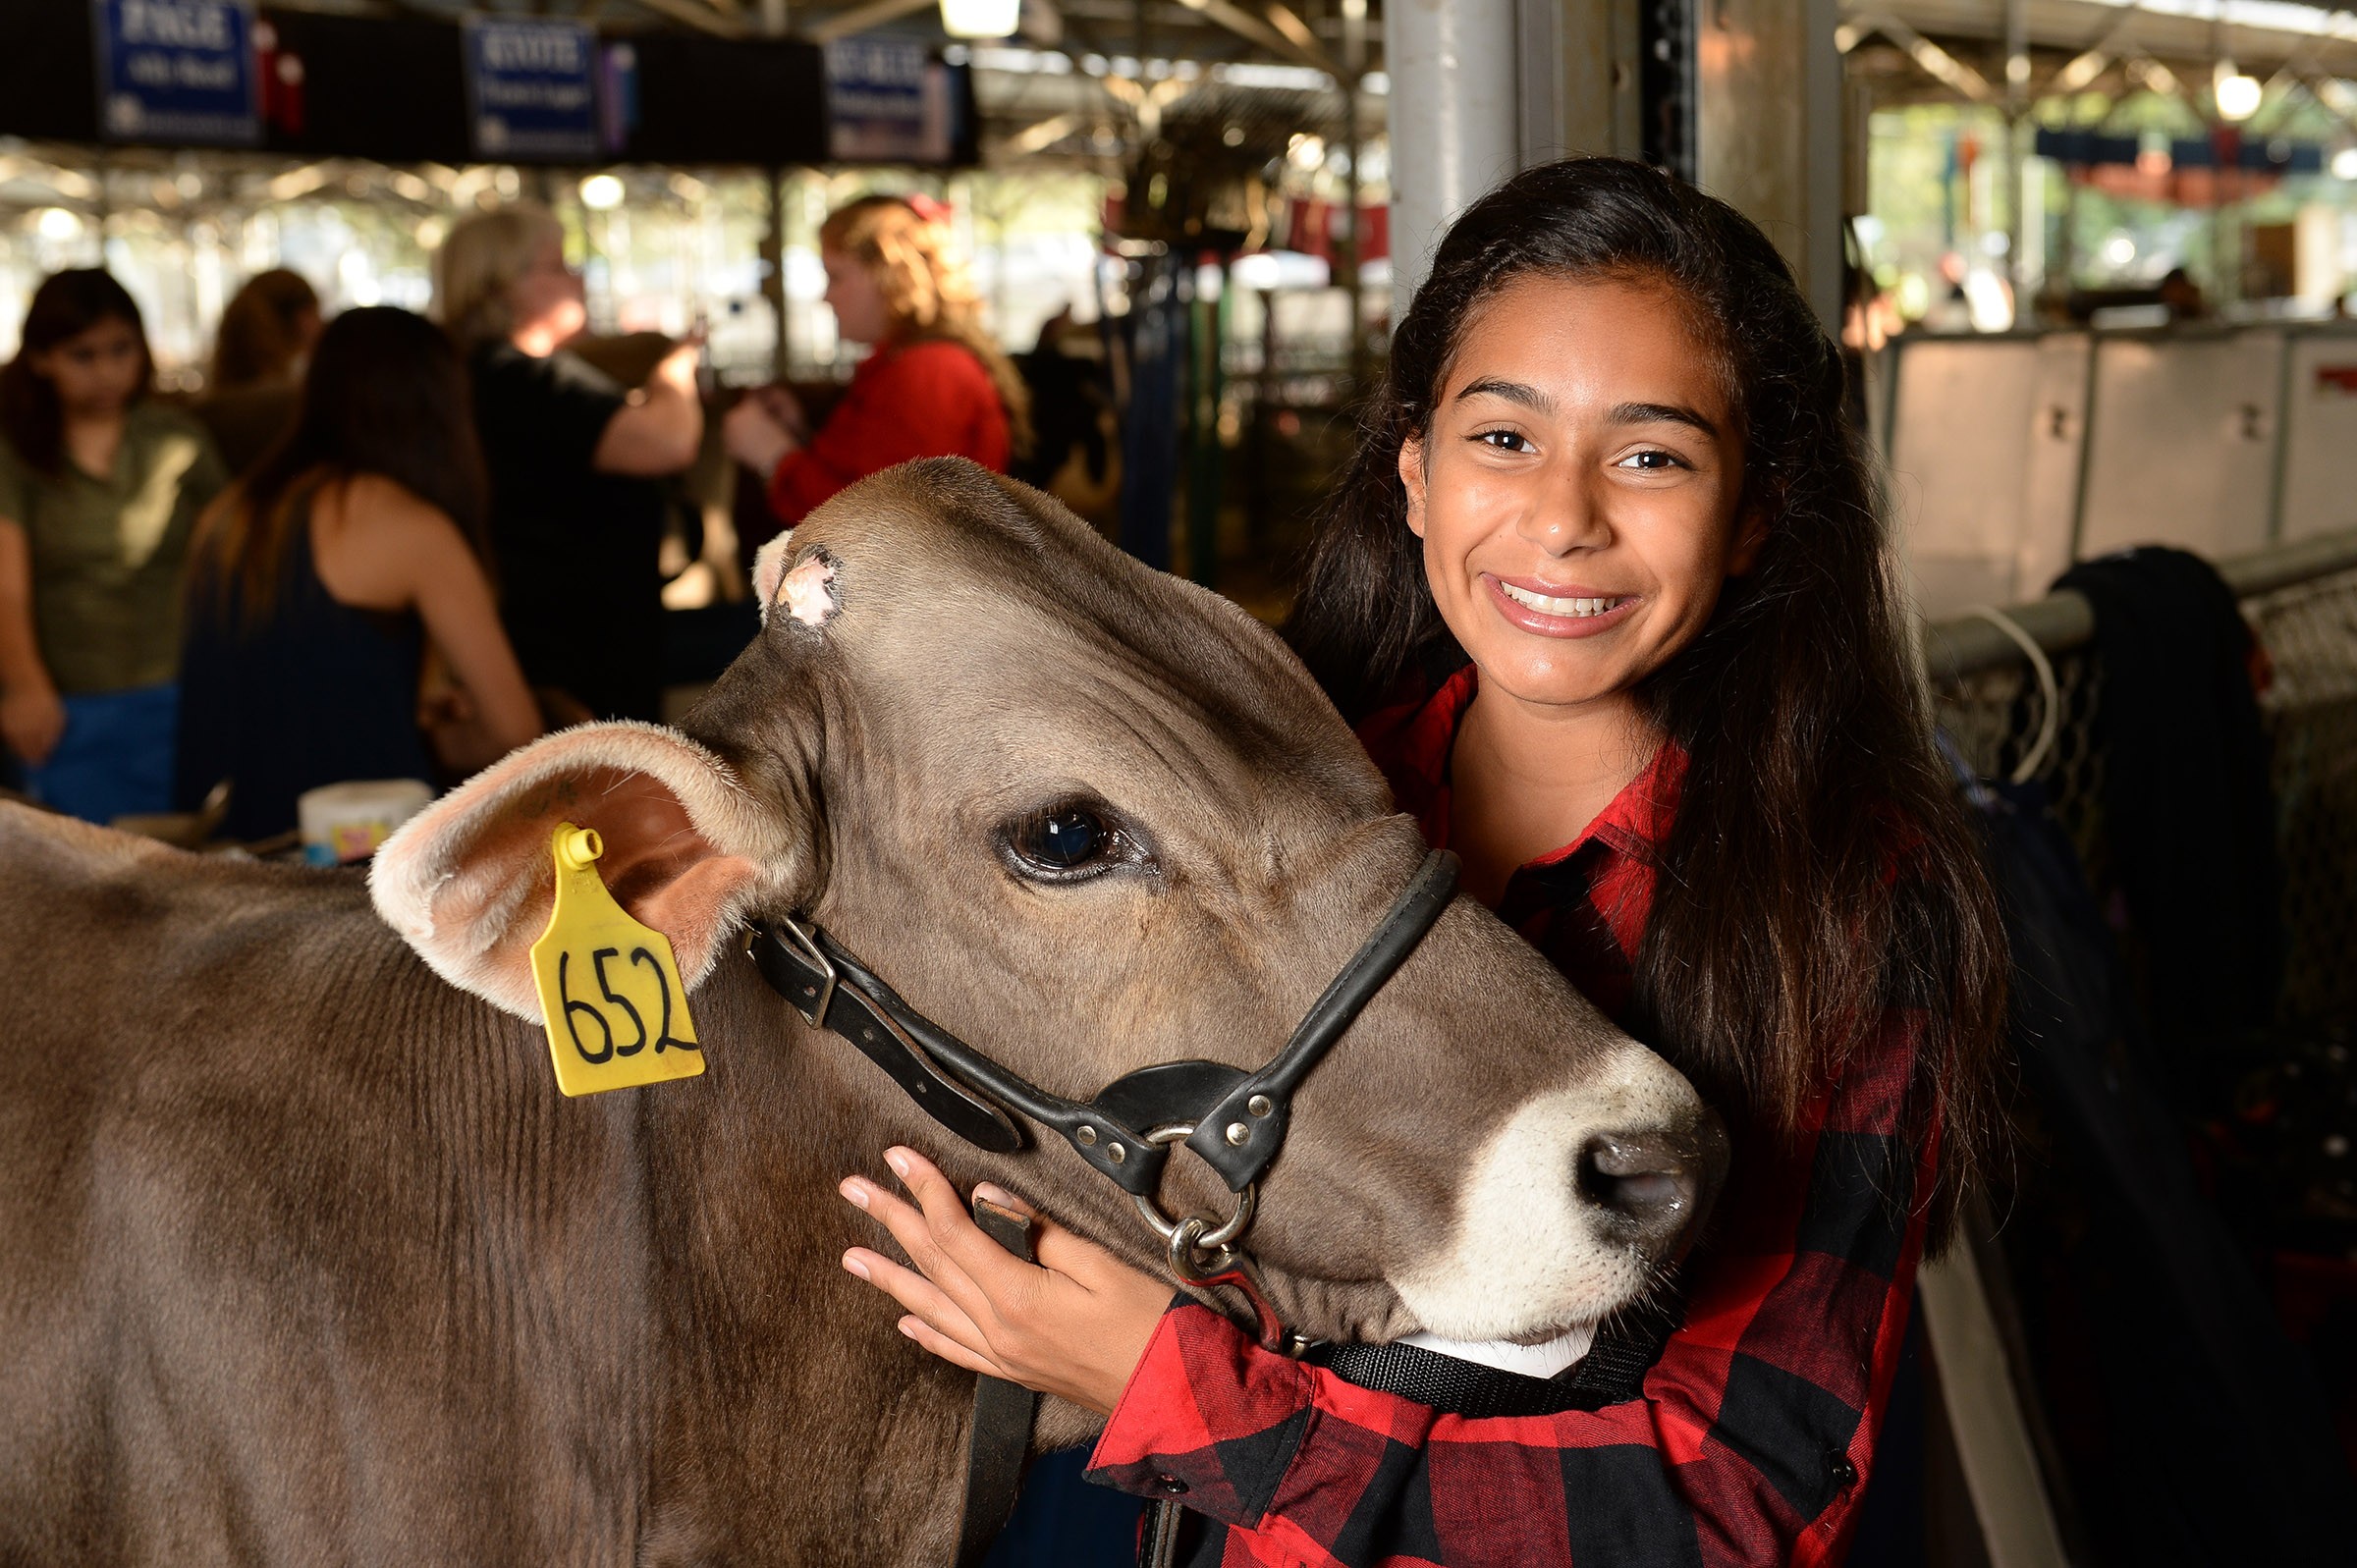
<point x="1065" y="838"/>
<point x="1067" y="843"/>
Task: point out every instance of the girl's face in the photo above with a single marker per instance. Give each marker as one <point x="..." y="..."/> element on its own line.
<point x="862" y="314"/>
<point x="97" y="371"/>
<point x="1576" y="495"/>
<point x="548" y="298"/>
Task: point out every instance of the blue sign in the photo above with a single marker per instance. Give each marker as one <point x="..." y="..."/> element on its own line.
<point x="888" y="101"/>
<point x="177" y="70"/>
<point x="531" y="88"/>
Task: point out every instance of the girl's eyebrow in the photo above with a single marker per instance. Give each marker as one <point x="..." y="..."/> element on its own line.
<point x="1528" y="396"/>
<point x="1625" y="413"/>
<point x="1646" y="413"/>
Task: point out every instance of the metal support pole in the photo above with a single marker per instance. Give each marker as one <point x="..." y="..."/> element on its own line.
<point x="1347" y="253"/>
<point x="1774" y="153"/>
<point x="2017" y="108"/>
<point x="773" y="265"/>
<point x="1352" y="251"/>
<point x="1453" y="112"/>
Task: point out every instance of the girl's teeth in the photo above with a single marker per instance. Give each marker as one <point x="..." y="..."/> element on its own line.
<point x="1546" y="605"/>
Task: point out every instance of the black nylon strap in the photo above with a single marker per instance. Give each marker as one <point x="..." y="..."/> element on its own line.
<point x="1447" y="1384"/>
<point x="1001" y="1439"/>
<point x="1612" y="1373"/>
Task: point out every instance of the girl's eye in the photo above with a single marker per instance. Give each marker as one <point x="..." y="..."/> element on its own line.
<point x="1650" y="461"/>
<point x="1505" y="440"/>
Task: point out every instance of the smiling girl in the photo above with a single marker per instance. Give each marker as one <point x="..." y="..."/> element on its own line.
<point x="1608" y="591"/>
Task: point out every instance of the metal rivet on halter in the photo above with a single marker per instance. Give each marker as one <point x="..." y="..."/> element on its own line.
<point x="1116" y="1152"/>
<point x="1260" y="1105"/>
<point x="1237" y="1134"/>
<point x="1085" y="1136"/>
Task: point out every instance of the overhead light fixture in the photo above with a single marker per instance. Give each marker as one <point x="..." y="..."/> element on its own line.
<point x="2237" y="95"/>
<point x="602" y="193"/>
<point x="57" y="225"/>
<point x="2344" y="164"/>
<point x="980" y="18"/>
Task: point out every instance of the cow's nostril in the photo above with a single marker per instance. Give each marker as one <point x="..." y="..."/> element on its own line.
<point x="1648" y="1183"/>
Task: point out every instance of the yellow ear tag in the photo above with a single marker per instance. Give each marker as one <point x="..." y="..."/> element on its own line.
<point x="610" y="989"/>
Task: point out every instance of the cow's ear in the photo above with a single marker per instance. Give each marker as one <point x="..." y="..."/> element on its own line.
<point x="469" y="882"/>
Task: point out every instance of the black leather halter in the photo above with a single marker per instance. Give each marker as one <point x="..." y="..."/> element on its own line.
<point x="1236" y="1119"/>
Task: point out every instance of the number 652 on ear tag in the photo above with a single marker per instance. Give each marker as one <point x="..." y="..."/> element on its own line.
<point x="610" y="989"/>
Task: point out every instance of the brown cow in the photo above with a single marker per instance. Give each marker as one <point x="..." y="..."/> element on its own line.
<point x="307" y="1259"/>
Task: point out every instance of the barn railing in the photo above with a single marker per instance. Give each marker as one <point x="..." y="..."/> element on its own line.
<point x="2301" y="602"/>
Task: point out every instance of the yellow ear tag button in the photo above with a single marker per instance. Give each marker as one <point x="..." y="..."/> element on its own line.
<point x="610" y="989"/>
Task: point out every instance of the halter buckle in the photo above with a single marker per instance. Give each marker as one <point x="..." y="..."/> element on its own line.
<point x="805" y="947"/>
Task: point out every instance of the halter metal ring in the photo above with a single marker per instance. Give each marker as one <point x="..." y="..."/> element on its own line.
<point x="1169" y="1229"/>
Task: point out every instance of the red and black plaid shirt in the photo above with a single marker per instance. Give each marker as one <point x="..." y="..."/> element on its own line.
<point x="1755" y="1430"/>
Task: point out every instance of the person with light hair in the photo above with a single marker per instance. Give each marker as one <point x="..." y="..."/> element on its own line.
<point x="576" y="515"/>
<point x="936" y="386"/>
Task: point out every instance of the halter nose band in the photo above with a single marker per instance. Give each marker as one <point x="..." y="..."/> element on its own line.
<point x="1240" y="1118"/>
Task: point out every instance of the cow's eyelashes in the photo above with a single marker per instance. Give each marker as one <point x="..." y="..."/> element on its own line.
<point x="1070" y="842"/>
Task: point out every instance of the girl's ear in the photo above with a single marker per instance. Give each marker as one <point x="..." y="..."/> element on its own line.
<point x="1411" y="479"/>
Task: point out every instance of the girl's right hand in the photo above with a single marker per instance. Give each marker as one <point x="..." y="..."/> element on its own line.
<point x="32" y="718"/>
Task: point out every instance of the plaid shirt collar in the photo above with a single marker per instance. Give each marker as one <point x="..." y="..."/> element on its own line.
<point x="1412" y="740"/>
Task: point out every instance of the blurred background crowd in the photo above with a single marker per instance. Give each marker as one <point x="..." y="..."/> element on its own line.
<point x="1138" y="254"/>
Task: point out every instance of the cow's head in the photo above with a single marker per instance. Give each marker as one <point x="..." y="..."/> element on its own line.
<point x="1088" y="818"/>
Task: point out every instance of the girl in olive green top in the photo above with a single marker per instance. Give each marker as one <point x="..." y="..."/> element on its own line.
<point x="99" y="489"/>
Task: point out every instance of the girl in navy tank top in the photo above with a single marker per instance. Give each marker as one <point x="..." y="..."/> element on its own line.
<point x="323" y="582"/>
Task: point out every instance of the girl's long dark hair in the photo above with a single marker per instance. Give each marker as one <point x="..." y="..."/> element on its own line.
<point x="66" y="305"/>
<point x="1820" y="868"/>
<point x="387" y="395"/>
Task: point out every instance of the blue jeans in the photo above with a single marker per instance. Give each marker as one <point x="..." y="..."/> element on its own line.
<point x="1062" y="1522"/>
<point x="115" y="758"/>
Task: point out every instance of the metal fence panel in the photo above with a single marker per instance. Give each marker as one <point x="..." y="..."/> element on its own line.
<point x="2309" y="631"/>
<point x="1985" y="463"/>
<point x="2181" y="449"/>
<point x="2320" y="436"/>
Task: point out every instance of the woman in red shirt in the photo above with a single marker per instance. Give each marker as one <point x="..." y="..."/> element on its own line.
<point x="1609" y="591"/>
<point x="936" y="386"/>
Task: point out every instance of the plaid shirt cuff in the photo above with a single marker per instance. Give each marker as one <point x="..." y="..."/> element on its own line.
<point x="1209" y="1417"/>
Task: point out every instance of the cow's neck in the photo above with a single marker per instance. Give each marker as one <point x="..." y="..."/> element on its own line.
<point x="791" y="1406"/>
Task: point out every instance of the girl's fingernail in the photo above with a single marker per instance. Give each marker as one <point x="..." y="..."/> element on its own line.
<point x="898" y="1160"/>
<point x="909" y="1327"/>
<point x="851" y="1262"/>
<point x="854" y="1191"/>
<point x="990" y="1194"/>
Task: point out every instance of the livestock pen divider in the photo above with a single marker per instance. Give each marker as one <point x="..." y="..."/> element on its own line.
<point x="2300" y="601"/>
